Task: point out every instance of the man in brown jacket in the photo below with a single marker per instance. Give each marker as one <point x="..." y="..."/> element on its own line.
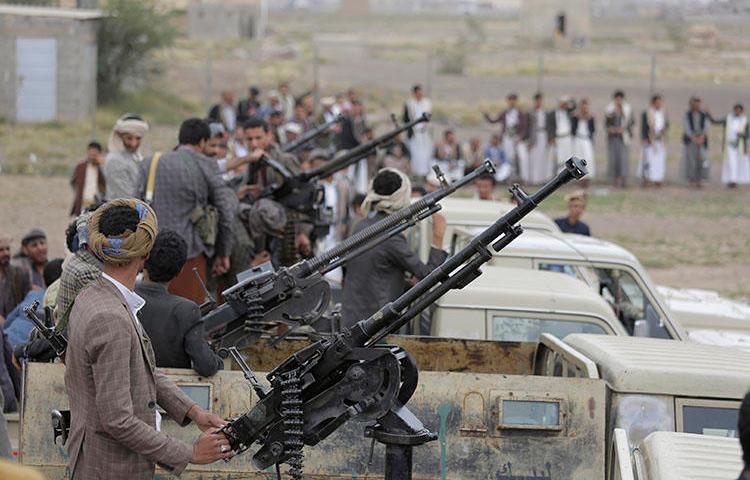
<point x="87" y="180"/>
<point x="110" y="375"/>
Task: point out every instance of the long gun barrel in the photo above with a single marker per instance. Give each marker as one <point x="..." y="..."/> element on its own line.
<point x="331" y="377"/>
<point x="311" y="135"/>
<point x="360" y="151"/>
<point x="391" y="316"/>
<point x="57" y="340"/>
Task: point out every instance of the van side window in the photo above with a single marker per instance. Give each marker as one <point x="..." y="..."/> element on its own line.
<point x="630" y="303"/>
<point x="569" y="270"/>
<point x="522" y="329"/>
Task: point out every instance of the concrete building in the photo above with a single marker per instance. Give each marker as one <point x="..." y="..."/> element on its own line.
<point x="47" y="63"/>
<point x="555" y="22"/>
<point x="215" y="19"/>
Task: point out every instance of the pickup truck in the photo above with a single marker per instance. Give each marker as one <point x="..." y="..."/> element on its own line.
<point x="608" y="268"/>
<point x="501" y="410"/>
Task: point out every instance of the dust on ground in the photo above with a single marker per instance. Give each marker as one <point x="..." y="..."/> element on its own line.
<point x="685" y="238"/>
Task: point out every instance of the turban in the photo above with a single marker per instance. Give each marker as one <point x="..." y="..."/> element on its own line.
<point x="128" y="123"/>
<point x="389" y="203"/>
<point x="263" y="217"/>
<point x="122" y="249"/>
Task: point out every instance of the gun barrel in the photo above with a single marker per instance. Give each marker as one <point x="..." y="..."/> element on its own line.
<point x="30" y="313"/>
<point x="394" y="220"/>
<point x="311" y="135"/>
<point x="388" y="317"/>
<point x="355" y="154"/>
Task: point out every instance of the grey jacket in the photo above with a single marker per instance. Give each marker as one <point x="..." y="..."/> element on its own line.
<point x="377" y="276"/>
<point x="184" y="180"/>
<point x="122" y="171"/>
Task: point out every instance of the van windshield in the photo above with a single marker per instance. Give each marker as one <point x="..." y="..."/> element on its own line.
<point x="716" y="421"/>
<point x="523" y="329"/>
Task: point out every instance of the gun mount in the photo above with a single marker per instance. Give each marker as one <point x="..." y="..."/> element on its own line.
<point x="352" y="377"/>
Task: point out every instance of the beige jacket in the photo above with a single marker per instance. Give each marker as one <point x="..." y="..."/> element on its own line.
<point x="114" y="389"/>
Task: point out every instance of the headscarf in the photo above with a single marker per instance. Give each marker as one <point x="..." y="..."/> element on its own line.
<point x="122" y="249"/>
<point x="388" y="203"/>
<point x="128" y="123"/>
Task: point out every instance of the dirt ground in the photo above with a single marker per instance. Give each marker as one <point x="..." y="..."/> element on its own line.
<point x="684" y="238"/>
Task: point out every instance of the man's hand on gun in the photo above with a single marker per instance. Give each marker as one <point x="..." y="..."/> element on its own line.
<point x="210" y="447"/>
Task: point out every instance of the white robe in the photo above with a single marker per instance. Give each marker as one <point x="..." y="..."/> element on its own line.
<point x="420" y="144"/>
<point x="516" y="150"/>
<point x="736" y="166"/>
<point x="540" y="166"/>
<point x="583" y="147"/>
<point x="563" y="138"/>
<point x="653" y="162"/>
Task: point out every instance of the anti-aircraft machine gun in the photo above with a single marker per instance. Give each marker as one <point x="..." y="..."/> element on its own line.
<point x="302" y="195"/>
<point x="311" y="134"/>
<point x="352" y="376"/>
<point x="299" y="294"/>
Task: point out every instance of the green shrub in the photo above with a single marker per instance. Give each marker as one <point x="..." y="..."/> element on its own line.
<point x="128" y="34"/>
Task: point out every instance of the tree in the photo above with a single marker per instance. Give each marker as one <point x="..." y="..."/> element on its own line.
<point x="128" y="34"/>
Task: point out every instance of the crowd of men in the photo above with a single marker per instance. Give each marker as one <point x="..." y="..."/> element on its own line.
<point x="533" y="143"/>
<point x="149" y="233"/>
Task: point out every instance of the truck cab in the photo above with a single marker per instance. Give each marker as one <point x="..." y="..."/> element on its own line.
<point x="519" y="305"/>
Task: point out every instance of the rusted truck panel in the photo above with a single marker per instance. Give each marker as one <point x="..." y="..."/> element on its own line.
<point x="490" y="425"/>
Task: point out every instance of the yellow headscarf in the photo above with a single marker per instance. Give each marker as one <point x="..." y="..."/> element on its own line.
<point x="130" y="245"/>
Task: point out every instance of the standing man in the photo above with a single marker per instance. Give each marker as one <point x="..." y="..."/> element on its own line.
<point x="123" y="163"/>
<point x="79" y="272"/>
<point x="111" y="376"/>
<point x="654" y="125"/>
<point x="540" y="167"/>
<point x="260" y="176"/>
<point x="224" y="111"/>
<point x="33" y="257"/>
<point x="736" y="167"/>
<point x="287" y="100"/>
<point x="377" y="276"/>
<point x="584" y="128"/>
<point x="560" y="130"/>
<point x="696" y="125"/>
<point x="619" y="123"/>
<point x="576" y="206"/>
<point x="420" y="142"/>
<point x="514" y="133"/>
<point x="88" y="180"/>
<point x="14" y="282"/>
<point x="173" y="323"/>
<point x="248" y="107"/>
<point x="185" y="189"/>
